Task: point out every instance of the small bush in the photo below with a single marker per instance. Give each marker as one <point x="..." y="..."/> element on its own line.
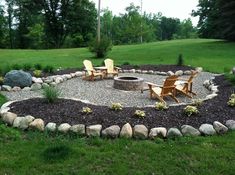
<point x="86" y="110"/>
<point x="51" y="94"/>
<point x="1" y="80"/>
<point x="161" y="106"/>
<point x="126" y="63"/>
<point x="116" y="106"/>
<point x="180" y="60"/>
<point x="48" y="69"/>
<point x="27" y="67"/>
<point x="140" y="114"/>
<point x="16" y="67"/>
<point x="231" y="102"/>
<point x="100" y="49"/>
<point x="197" y="102"/>
<point x="56" y="153"/>
<point x="37" y="73"/>
<point x="38" y="66"/>
<point x="190" y="110"/>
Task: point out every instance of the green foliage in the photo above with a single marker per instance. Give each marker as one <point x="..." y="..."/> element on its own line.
<point x="37" y="73"/>
<point x="231" y="101"/>
<point x="16" y="67"/>
<point x="2" y="99"/>
<point x="197" y="102"/>
<point x="126" y="63"/>
<point x="101" y="48"/>
<point x="161" y="106"/>
<point x="230" y="77"/>
<point x="48" y="69"/>
<point x="1" y="80"/>
<point x="27" y="67"/>
<point x="56" y="153"/>
<point x="190" y="110"/>
<point x="7" y="134"/>
<point x="116" y="106"/>
<point x="51" y="94"/>
<point x="37" y="66"/>
<point x="140" y="113"/>
<point x="86" y="110"/>
<point x="5" y="69"/>
<point x="180" y="60"/>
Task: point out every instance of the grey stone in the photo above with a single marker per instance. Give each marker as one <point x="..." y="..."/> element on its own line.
<point x="179" y="73"/>
<point x="37" y="124"/>
<point x="48" y="80"/>
<point x="211" y="96"/>
<point x="37" y="80"/>
<point x="207" y="129"/>
<point x="23" y="122"/>
<point x="9" y="117"/>
<point x="78" y="129"/>
<point x="53" y="84"/>
<point x="64" y="127"/>
<point x="188" y="130"/>
<point x="173" y="133"/>
<point x="220" y="128"/>
<point x="16" y="88"/>
<point x="78" y="73"/>
<point x="51" y="127"/>
<point x="150" y="72"/>
<point x="126" y="131"/>
<point x="187" y="72"/>
<point x="111" y="132"/>
<point x="45" y="85"/>
<point x="6" y="88"/>
<point x="36" y="86"/>
<point x="93" y="130"/>
<point x="230" y="124"/>
<point x="58" y="80"/>
<point x="207" y="83"/>
<point x="159" y="132"/>
<point x="140" y="132"/>
<point x="18" y="78"/>
<point x="26" y="89"/>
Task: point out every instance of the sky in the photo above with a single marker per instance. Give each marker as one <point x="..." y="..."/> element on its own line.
<point x="170" y="8"/>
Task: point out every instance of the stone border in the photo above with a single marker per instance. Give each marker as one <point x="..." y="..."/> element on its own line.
<point x="39" y="83"/>
<point x="114" y="131"/>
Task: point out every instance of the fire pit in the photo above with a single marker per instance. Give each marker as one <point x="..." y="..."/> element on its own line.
<point x="128" y="83"/>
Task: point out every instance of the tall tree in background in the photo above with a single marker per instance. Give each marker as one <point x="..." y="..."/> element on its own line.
<point x="169" y="27"/>
<point x="2" y="28"/>
<point x="10" y="17"/>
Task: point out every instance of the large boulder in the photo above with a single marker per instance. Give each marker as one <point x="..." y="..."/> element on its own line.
<point x="18" y="78"/>
<point x="188" y="130"/>
<point x="126" y="131"/>
<point x="220" y="128"/>
<point x="140" y="132"/>
<point x="207" y="129"/>
<point x="111" y="132"/>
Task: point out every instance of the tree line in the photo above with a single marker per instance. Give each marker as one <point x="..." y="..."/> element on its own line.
<point x="42" y="24"/>
<point x="216" y="19"/>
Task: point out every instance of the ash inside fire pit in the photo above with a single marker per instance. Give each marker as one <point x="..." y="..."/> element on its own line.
<point x="128" y="83"/>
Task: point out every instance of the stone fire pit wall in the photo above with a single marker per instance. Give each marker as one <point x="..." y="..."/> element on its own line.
<point x="128" y="83"/>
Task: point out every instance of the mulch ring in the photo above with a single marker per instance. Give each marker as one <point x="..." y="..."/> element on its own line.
<point x="69" y="111"/>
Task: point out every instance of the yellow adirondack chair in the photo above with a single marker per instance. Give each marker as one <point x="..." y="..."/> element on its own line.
<point x="90" y="72"/>
<point x="168" y="89"/>
<point x="111" y="69"/>
<point x="185" y="86"/>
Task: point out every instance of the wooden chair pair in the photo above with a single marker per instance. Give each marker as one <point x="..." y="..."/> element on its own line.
<point x="91" y="73"/>
<point x="172" y="85"/>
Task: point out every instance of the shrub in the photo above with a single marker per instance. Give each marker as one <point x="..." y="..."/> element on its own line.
<point x="180" y="60"/>
<point x="140" y="114"/>
<point x="55" y="153"/>
<point x="38" y="66"/>
<point x="100" y="49"/>
<point x="51" y="94"/>
<point x="116" y="106"/>
<point x="27" y="67"/>
<point x="161" y="106"/>
<point x="37" y="73"/>
<point x="48" y="69"/>
<point x="1" y="80"/>
<point x="231" y="102"/>
<point x="190" y="110"/>
<point x="86" y="110"/>
<point x="16" y="67"/>
<point x="197" y="102"/>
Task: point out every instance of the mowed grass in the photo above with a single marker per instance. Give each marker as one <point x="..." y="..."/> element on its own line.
<point x="38" y="153"/>
<point x="212" y="55"/>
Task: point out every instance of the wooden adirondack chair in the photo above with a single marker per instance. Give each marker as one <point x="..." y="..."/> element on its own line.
<point x="168" y="89"/>
<point x="111" y="69"/>
<point x="185" y="86"/>
<point x="90" y="72"/>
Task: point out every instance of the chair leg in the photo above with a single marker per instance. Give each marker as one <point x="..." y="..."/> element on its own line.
<point x="172" y="96"/>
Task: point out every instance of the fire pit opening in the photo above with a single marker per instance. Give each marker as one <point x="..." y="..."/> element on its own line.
<point x="128" y="83"/>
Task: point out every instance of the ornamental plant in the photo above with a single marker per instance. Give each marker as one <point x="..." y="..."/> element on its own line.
<point x="197" y="102"/>
<point x="116" y="106"/>
<point x="51" y="94"/>
<point x="140" y="114"/>
<point x="86" y="110"/>
<point x="161" y="106"/>
<point x="37" y="73"/>
<point x="48" y="69"/>
<point x="231" y="101"/>
<point x="190" y="110"/>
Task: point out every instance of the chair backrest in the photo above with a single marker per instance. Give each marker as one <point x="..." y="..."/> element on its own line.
<point x="193" y="75"/>
<point x="169" y="85"/>
<point x="109" y="65"/>
<point x="88" y="66"/>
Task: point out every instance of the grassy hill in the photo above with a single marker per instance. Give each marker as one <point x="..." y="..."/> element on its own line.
<point x="212" y="55"/>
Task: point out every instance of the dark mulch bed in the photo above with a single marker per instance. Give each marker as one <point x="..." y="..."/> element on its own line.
<point x="69" y="111"/>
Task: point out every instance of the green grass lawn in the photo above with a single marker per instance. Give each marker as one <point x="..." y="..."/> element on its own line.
<point x="213" y="55"/>
<point x="39" y="153"/>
